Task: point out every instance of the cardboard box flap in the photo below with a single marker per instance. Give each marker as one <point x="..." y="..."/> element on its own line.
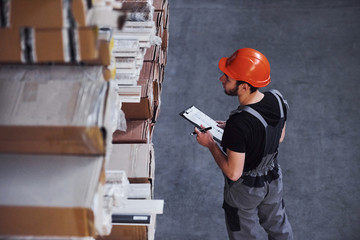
<point x="139" y="111"/>
<point x="137" y="132"/>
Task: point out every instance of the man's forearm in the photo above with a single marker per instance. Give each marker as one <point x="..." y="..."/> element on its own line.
<point x="232" y="163"/>
<point x="219" y="157"/>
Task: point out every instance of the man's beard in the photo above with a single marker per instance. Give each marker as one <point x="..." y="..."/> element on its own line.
<point x="232" y="92"/>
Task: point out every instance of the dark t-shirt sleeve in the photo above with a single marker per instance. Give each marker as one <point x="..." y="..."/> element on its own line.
<point x="234" y="136"/>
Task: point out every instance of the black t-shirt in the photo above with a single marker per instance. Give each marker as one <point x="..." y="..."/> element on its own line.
<point x="244" y="133"/>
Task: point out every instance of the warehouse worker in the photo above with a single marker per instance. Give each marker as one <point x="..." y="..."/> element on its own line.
<point x="253" y="180"/>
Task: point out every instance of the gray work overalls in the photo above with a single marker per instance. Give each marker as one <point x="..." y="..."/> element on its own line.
<point x="257" y="195"/>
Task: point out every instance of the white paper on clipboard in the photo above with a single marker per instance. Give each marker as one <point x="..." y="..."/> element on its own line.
<point x="197" y="118"/>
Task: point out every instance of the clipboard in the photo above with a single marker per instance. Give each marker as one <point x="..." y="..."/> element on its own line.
<point x="197" y="118"/>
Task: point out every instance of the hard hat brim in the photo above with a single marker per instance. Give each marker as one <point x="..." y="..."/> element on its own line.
<point x="222" y="67"/>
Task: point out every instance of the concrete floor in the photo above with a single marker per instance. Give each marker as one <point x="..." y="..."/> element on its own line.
<point x="314" y="51"/>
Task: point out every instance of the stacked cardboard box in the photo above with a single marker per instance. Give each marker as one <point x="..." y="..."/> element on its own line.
<point x="57" y="118"/>
<point x="54" y="116"/>
<point x="141" y="60"/>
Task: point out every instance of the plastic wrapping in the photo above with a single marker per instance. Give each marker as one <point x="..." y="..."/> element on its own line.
<point x="155" y="40"/>
<point x="104" y="16"/>
<point x="141" y="10"/>
<point x="137" y="160"/>
<point x="52" y="95"/>
<point x="117" y="186"/>
<point x="125" y="47"/>
<point x="49" y="180"/>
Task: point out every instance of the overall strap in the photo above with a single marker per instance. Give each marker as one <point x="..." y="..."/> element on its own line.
<point x="252" y="112"/>
<point x="278" y="95"/>
<point x="255" y="114"/>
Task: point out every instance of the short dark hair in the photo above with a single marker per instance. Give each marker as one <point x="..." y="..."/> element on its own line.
<point x="252" y="88"/>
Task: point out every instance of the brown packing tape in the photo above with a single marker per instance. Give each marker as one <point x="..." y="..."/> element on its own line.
<point x="51" y="140"/>
<point x="46" y="221"/>
<point x="126" y="233"/>
<point x="10" y="45"/>
<point x="45" y="14"/>
<point x="49" y="45"/>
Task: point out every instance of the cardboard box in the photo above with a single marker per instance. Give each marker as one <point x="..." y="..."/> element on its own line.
<point x="138" y="131"/>
<point x="152" y="54"/>
<point x="48" y="195"/>
<point x="144" y="109"/>
<point x="126" y="233"/>
<point x="45" y="14"/>
<point x="138" y="111"/>
<point x="137" y="160"/>
<point x="159" y="4"/>
<point x="165" y="38"/>
<point x="49" y="45"/>
<point x="28" y="96"/>
<point x="35" y="118"/>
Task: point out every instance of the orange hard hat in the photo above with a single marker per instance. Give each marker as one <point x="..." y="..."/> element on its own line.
<point x="248" y="65"/>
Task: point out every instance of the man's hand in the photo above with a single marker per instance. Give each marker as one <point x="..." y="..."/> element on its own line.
<point x="204" y="138"/>
<point x="221" y="124"/>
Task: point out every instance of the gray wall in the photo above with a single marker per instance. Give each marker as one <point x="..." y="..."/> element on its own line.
<point x="314" y="51"/>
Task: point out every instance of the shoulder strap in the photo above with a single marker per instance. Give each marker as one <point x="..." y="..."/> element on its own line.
<point x="252" y="112"/>
<point x="278" y="95"/>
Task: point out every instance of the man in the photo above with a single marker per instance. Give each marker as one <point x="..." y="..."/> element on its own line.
<point x="253" y="179"/>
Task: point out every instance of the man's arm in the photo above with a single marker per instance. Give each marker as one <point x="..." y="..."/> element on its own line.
<point x="231" y="164"/>
<point x="283" y="133"/>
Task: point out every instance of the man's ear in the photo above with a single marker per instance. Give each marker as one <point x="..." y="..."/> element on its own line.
<point x="244" y="87"/>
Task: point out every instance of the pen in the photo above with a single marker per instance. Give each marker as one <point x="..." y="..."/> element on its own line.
<point x="202" y="130"/>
